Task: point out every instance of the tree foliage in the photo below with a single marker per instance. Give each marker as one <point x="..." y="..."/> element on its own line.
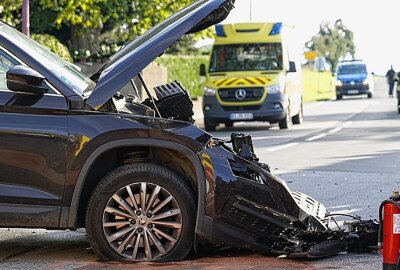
<point x="94" y="29"/>
<point x="333" y="42"/>
<point x="54" y="45"/>
<point x="10" y="11"/>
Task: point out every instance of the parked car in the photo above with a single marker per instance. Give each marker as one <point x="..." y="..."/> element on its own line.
<point x="145" y="184"/>
<point x="352" y="78"/>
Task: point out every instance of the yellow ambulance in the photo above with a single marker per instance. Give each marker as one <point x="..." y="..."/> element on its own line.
<point x="252" y="75"/>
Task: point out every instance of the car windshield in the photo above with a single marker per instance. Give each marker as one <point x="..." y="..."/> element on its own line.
<point x="352" y="69"/>
<point x="77" y="81"/>
<point x="246" y="57"/>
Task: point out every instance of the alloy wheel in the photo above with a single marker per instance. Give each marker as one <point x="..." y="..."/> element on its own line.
<point x="142" y="221"/>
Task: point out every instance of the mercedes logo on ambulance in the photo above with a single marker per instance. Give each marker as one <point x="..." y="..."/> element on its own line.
<point x="240" y="94"/>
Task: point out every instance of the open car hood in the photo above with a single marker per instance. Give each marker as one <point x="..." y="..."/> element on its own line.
<point x="137" y="54"/>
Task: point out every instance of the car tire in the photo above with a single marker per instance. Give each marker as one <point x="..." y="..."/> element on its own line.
<point x="370" y="95"/>
<point x="228" y="124"/>
<point x="285" y="122"/>
<point x="209" y="126"/>
<point x="298" y="118"/>
<point x="339" y="97"/>
<point x="120" y="230"/>
<point x="398" y="105"/>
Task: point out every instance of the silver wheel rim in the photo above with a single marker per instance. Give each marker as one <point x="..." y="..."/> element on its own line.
<point x="142" y="221"/>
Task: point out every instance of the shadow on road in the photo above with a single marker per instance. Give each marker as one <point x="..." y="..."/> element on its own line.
<point x="39" y="249"/>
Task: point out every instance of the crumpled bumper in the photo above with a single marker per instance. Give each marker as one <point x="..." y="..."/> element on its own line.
<point x="248" y="207"/>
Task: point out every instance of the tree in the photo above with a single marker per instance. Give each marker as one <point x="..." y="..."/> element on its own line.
<point x="10" y="11"/>
<point x="95" y="29"/>
<point x="333" y="43"/>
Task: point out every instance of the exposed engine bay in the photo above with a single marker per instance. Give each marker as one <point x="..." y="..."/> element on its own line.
<point x="283" y="222"/>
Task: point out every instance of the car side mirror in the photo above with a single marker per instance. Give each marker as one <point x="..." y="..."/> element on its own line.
<point x="24" y="79"/>
<point x="202" y="70"/>
<point x="292" y="66"/>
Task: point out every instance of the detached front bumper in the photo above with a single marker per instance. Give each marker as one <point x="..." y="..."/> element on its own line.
<point x="271" y="110"/>
<point x="248" y="207"/>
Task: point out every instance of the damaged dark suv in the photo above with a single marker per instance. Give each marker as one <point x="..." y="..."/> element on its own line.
<point x="144" y="181"/>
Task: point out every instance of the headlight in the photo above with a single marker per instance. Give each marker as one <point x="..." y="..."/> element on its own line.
<point x="339" y="83"/>
<point x="209" y="91"/>
<point x="365" y="82"/>
<point x="273" y="89"/>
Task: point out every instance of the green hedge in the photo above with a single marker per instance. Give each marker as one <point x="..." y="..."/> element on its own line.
<point x="54" y="45"/>
<point x="185" y="69"/>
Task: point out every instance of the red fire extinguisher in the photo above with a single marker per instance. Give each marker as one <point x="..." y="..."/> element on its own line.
<point x="389" y="232"/>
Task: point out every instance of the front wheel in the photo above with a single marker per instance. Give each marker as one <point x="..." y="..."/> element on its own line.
<point x="285" y="122"/>
<point x="398" y="105"/>
<point x="210" y="126"/>
<point x="298" y="118"/>
<point x="370" y="95"/>
<point x="141" y="212"/>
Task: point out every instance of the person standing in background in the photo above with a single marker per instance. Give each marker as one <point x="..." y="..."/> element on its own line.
<point x="390" y="77"/>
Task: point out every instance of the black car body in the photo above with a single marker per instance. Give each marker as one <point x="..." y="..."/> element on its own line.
<point x="70" y="159"/>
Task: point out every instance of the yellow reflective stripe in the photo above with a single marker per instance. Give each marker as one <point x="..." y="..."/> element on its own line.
<point x="240" y="81"/>
<point x="229" y="82"/>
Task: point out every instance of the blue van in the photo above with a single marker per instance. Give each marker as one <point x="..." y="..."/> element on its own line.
<point x="352" y="78"/>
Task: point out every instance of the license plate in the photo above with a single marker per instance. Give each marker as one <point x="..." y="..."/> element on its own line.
<point x="241" y="116"/>
<point x="352" y="92"/>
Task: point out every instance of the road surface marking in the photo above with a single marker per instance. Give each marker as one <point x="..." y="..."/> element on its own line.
<point x="280" y="147"/>
<point x="347" y="124"/>
<point x="345" y="212"/>
<point x="316" y="137"/>
<point x="335" y="130"/>
<point x="340" y="206"/>
<point x="262" y="138"/>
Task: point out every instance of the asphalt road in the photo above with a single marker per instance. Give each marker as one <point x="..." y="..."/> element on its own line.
<point x="346" y="155"/>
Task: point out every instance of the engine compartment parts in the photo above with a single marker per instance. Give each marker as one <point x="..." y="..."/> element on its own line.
<point x="275" y="219"/>
<point x="172" y="102"/>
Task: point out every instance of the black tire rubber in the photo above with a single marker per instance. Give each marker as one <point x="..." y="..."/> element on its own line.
<point x="286" y="121"/>
<point x="398" y="105"/>
<point x="370" y="95"/>
<point x="298" y="118"/>
<point x="339" y="97"/>
<point x="133" y="173"/>
<point x="228" y="124"/>
<point x="210" y="127"/>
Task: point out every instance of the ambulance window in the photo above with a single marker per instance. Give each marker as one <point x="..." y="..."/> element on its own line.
<point x="246" y="57"/>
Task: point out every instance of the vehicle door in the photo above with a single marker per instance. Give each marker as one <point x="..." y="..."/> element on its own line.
<point x="33" y="144"/>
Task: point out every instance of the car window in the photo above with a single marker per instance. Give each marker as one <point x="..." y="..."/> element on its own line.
<point x="6" y="62"/>
<point x="352" y="69"/>
<point x="74" y="79"/>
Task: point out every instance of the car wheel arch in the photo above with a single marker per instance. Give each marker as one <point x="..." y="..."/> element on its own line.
<point x="72" y="217"/>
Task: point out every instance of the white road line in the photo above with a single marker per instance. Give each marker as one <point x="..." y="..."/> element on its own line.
<point x="347" y="124"/>
<point x="335" y="130"/>
<point x="261" y="138"/>
<point x="280" y="147"/>
<point x="340" y="206"/>
<point x="316" y="137"/>
<point x="347" y="211"/>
